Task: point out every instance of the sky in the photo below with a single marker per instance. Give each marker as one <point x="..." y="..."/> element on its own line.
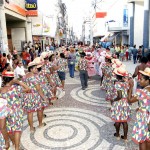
<point x="77" y="10"/>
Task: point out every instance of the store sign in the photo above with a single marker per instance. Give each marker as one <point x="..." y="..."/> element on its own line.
<point x="31" y="4"/>
<point x="31" y="7"/>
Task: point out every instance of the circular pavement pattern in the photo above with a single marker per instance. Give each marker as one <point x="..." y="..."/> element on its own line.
<point x="68" y="129"/>
<point x="60" y="93"/>
<point x="89" y="96"/>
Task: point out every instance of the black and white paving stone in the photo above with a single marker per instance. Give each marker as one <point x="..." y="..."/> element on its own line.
<point x="79" y="120"/>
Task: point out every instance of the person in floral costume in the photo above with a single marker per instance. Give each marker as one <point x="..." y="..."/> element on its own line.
<point x="62" y="62"/>
<point x="4" y="112"/>
<point x="90" y="64"/>
<point x="120" y="111"/>
<point x="141" y="129"/>
<point x="35" y="101"/>
<point x="14" y="121"/>
<point x="54" y="75"/>
<point x="44" y="79"/>
<point x="105" y="69"/>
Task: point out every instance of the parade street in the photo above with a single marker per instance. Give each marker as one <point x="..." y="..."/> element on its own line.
<point x="78" y="120"/>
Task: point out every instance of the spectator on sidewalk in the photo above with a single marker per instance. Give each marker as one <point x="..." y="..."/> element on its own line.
<point x="24" y="57"/>
<point x="127" y="53"/>
<point x="19" y="72"/>
<point x="9" y="60"/>
<point x="6" y="68"/>
<point x="134" y="53"/>
<point x="31" y="54"/>
<point x="62" y="62"/>
<point x="140" y="67"/>
<point x="83" y="71"/>
<point x="130" y="51"/>
<point x="71" y="61"/>
<point x="3" y="60"/>
<point x="148" y="57"/>
<point x="139" y="56"/>
<point x="117" y="49"/>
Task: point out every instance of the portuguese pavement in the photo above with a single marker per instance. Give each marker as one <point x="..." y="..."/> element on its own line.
<point x="78" y="120"/>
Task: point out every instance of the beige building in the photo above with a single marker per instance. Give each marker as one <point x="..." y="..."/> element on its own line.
<point x="15" y="27"/>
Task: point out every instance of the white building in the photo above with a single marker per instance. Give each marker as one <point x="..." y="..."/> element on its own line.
<point x="140" y="15"/>
<point x="43" y="29"/>
<point x="117" y="22"/>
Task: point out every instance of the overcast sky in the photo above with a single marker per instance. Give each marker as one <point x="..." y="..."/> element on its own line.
<point x="77" y="10"/>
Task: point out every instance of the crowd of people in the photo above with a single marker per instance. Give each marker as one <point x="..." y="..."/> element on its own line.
<point x="29" y="87"/>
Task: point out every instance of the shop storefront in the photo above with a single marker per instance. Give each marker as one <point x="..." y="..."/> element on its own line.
<point x="15" y="25"/>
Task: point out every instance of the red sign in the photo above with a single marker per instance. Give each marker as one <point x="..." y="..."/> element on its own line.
<point x="32" y="13"/>
<point x="101" y="14"/>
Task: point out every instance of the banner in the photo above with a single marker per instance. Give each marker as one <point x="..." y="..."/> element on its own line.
<point x="125" y="17"/>
<point x="31" y="7"/>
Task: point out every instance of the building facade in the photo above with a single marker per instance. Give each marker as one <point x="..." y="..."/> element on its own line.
<point x="139" y="23"/>
<point x="15" y="26"/>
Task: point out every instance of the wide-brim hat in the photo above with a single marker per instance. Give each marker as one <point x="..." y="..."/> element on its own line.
<point x="44" y="55"/>
<point x="72" y="49"/>
<point x="108" y="56"/>
<point x="32" y="64"/>
<point x="146" y="72"/>
<point x="39" y="61"/>
<point x="114" y="60"/>
<point x="103" y="53"/>
<point x="121" y="71"/>
<point x="88" y="53"/>
<point x="8" y="74"/>
<point x="118" y="64"/>
<point x="50" y="53"/>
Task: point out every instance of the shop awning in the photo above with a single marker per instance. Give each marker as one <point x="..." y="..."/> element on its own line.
<point x="110" y="37"/>
<point x="105" y="37"/>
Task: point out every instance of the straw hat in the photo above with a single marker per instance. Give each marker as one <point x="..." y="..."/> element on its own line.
<point x="72" y="49"/>
<point x="50" y="53"/>
<point x="8" y="74"/>
<point x="103" y="53"/>
<point x="118" y="64"/>
<point x="39" y="61"/>
<point x="32" y="64"/>
<point x="121" y="71"/>
<point x="108" y="56"/>
<point x="88" y="53"/>
<point x="114" y="60"/>
<point x="146" y="72"/>
<point x="44" y="55"/>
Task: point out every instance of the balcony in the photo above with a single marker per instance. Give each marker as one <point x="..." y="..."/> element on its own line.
<point x="117" y="26"/>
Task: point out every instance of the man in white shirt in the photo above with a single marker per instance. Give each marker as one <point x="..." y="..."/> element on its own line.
<point x="19" y="72"/>
<point x="9" y="60"/>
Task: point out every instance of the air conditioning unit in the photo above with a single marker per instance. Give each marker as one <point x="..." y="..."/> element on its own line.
<point x="1" y="2"/>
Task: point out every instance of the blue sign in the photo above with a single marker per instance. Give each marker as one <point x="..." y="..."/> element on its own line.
<point x="125" y="17"/>
<point x="31" y="4"/>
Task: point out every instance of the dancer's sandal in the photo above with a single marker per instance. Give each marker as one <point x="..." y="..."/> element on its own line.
<point x="7" y="145"/>
<point x="44" y="116"/>
<point x="50" y="103"/>
<point x="125" y="140"/>
<point x="32" y="131"/>
<point x="43" y="125"/>
<point x="117" y="137"/>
